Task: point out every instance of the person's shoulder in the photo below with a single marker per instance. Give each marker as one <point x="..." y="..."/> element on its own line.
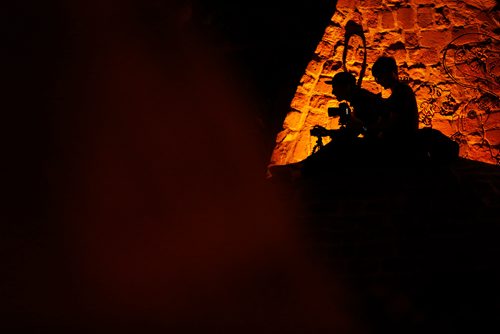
<point x="403" y="86"/>
<point x="403" y="89"/>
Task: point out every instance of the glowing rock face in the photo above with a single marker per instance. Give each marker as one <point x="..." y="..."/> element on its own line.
<point x="447" y="51"/>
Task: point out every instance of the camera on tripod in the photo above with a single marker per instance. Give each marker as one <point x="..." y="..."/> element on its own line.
<point x="342" y="111"/>
<point x="318" y="131"/>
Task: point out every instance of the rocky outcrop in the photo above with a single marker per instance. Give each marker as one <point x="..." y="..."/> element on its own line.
<point x="447" y="51"/>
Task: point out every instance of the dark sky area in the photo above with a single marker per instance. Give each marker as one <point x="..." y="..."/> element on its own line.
<point x="135" y="197"/>
<point x="271" y="43"/>
<point x="268" y="43"/>
<point x="126" y="166"/>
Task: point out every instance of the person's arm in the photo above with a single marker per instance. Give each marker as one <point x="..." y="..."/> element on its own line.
<point x="374" y="105"/>
<point x="355" y="124"/>
<point x="389" y="120"/>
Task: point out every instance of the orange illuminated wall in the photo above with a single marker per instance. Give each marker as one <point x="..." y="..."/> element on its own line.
<point x="447" y="51"/>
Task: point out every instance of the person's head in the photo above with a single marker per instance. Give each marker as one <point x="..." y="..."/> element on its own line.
<point x="385" y="71"/>
<point x="343" y="85"/>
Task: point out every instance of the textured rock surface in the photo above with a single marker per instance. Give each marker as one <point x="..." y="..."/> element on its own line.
<point x="448" y="52"/>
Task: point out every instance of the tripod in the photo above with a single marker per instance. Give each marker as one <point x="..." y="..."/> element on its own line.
<point x="319" y="144"/>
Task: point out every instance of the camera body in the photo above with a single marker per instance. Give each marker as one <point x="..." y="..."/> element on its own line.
<point x="342" y="111"/>
<point x="317" y="131"/>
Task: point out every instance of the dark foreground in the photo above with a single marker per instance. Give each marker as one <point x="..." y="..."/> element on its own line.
<point x="417" y="246"/>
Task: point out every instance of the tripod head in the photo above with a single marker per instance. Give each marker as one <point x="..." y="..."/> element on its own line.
<point x="319" y="132"/>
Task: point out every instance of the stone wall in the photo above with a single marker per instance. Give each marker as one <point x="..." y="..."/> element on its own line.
<point x="447" y="51"/>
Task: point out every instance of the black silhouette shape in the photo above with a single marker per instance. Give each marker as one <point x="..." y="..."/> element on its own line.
<point x="357" y="135"/>
<point x="400" y="121"/>
<point x="399" y="129"/>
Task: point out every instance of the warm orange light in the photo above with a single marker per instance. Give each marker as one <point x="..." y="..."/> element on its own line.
<point x="447" y="50"/>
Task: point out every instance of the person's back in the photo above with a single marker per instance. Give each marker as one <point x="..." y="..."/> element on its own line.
<point x="402" y="109"/>
<point x="399" y="123"/>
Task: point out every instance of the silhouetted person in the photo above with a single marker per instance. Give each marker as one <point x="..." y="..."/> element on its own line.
<point x="359" y="128"/>
<point x="366" y="108"/>
<point x="400" y="119"/>
<point x="353" y="141"/>
<point x="399" y="133"/>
